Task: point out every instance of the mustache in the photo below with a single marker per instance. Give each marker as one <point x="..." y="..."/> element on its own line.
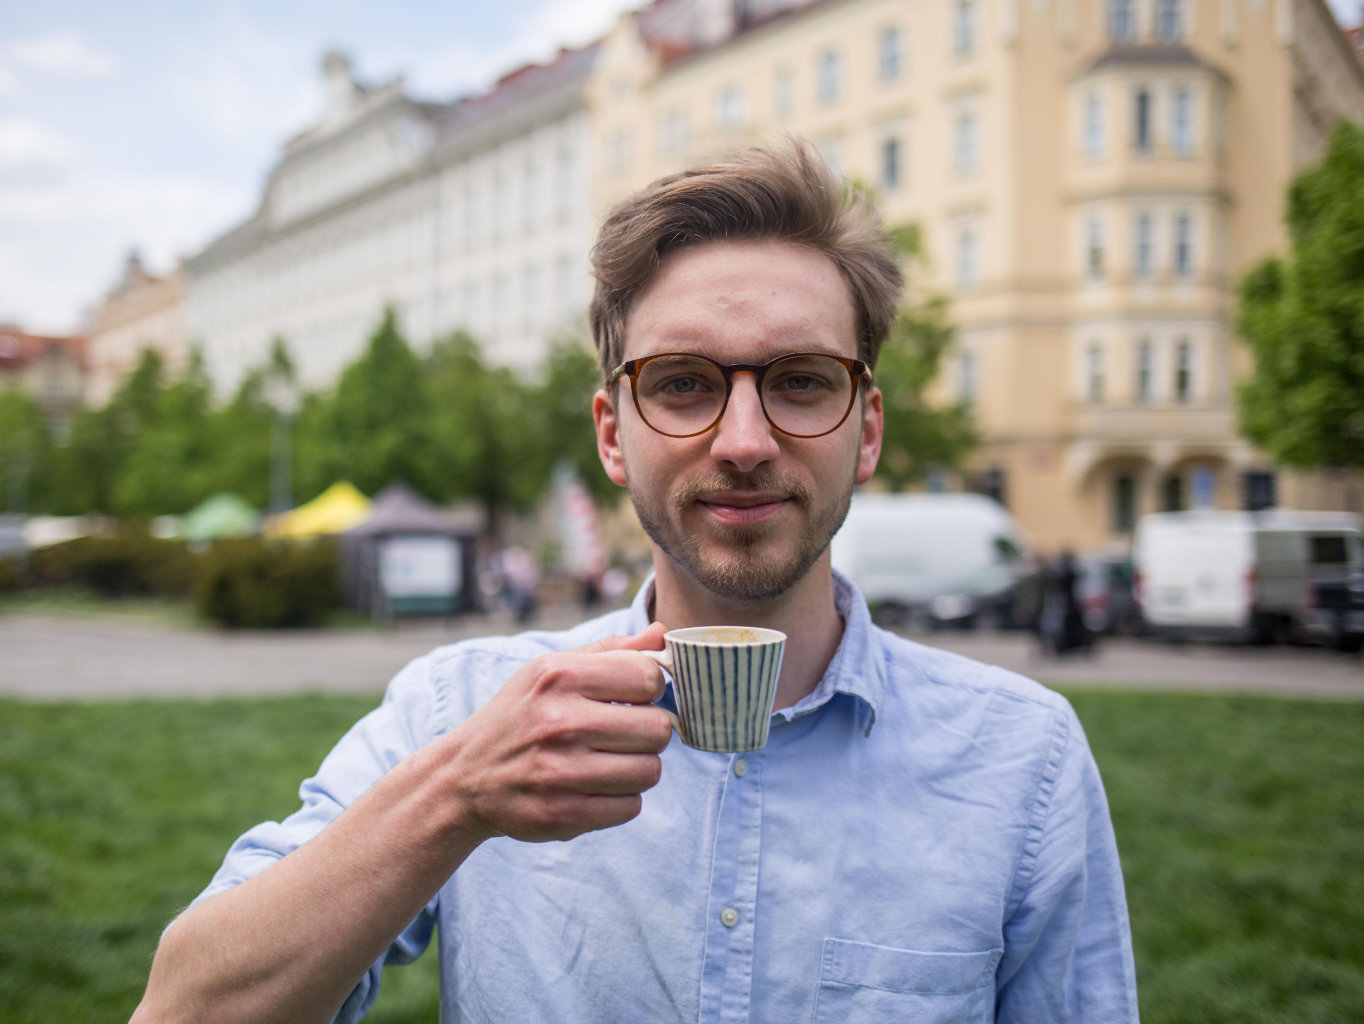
<point x="764" y="478"/>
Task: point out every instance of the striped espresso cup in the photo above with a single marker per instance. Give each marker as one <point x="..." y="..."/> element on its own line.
<point x="724" y="679"/>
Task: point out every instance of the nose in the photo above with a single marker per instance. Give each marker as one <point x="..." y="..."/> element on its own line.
<point x="743" y="437"/>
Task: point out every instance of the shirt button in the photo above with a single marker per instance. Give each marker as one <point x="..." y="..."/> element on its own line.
<point x="729" y="917"/>
<point x="741" y="767"/>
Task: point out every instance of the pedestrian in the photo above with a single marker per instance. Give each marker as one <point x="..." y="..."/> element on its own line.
<point x="922" y="838"/>
<point x="1063" y="628"/>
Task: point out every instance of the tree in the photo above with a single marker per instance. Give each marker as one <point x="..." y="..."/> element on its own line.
<point x="88" y="467"/>
<point x="561" y="406"/>
<point x="1304" y="319"/>
<point x="488" y="442"/>
<point x="375" y="428"/>
<point x="171" y="461"/>
<point x="918" y="436"/>
<point x="25" y="452"/>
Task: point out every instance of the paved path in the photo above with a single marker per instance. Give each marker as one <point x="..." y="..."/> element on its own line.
<point x="72" y="658"/>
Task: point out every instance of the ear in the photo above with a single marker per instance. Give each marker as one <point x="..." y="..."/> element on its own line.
<point x="873" y="429"/>
<point x="608" y="436"/>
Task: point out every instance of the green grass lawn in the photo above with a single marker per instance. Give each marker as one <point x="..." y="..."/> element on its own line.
<point x="1240" y="821"/>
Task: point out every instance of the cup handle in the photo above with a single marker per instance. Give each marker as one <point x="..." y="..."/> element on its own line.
<point x="665" y="660"/>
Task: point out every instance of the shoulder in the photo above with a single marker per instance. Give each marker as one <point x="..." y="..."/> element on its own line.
<point x="932" y="687"/>
<point x="945" y="671"/>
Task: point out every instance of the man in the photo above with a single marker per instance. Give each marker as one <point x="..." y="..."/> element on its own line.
<point x="923" y="838"/>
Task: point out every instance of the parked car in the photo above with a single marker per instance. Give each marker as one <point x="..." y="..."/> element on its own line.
<point x="1239" y="575"/>
<point x="933" y="560"/>
<point x="1335" y="611"/>
<point x="1107" y="600"/>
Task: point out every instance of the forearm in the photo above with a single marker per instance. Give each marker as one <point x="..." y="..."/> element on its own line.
<point x="291" y="943"/>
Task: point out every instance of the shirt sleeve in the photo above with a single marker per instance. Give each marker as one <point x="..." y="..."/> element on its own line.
<point x="1068" y="944"/>
<point x="405" y="721"/>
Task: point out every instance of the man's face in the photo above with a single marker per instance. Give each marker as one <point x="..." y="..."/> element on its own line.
<point x="741" y="509"/>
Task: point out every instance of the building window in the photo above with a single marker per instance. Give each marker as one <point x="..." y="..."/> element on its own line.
<point x="1122" y="22"/>
<point x="968" y="258"/>
<point x="1259" y="490"/>
<point x="782" y="92"/>
<point x="1124" y="503"/>
<point x="565" y="187"/>
<point x="1183" y="255"/>
<point x="830" y="76"/>
<point x="530" y="195"/>
<point x="964" y="28"/>
<point x="889" y="53"/>
<point x="618" y="151"/>
<point x="994" y="484"/>
<point x="1183" y="371"/>
<point x="1181" y="123"/>
<point x="672" y="132"/>
<point x="1141" y="120"/>
<point x="531" y="301"/>
<point x="965" y="144"/>
<point x="1172" y="493"/>
<point x="730" y="109"/>
<point x="890" y="164"/>
<point x="1145" y="371"/>
<point x="1094" y="373"/>
<point x="563" y="285"/>
<point x="1169" y="21"/>
<point x="1094" y="125"/>
<point x="1143" y="253"/>
<point x="966" y="378"/>
<point x="831" y="149"/>
<point x="1094" y="248"/>
<point x="1203" y="487"/>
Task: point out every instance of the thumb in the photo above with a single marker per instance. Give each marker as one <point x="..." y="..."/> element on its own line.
<point x="649" y="640"/>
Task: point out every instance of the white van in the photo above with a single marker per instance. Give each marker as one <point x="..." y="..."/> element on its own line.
<point x="934" y="559"/>
<point x="1238" y="575"/>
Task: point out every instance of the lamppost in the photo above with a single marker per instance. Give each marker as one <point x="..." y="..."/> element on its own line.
<point x="282" y="397"/>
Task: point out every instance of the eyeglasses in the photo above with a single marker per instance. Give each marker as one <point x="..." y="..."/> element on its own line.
<point x="805" y="394"/>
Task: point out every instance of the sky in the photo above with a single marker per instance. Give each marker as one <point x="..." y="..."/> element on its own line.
<point x="151" y="124"/>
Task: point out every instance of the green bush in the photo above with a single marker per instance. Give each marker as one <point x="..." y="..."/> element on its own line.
<point x="13" y="575"/>
<point x="258" y="584"/>
<point x="128" y="565"/>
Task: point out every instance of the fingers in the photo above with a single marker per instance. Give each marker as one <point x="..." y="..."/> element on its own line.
<point x="651" y="639"/>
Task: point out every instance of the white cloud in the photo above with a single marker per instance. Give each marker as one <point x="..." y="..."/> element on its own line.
<point x="534" y="38"/>
<point x="59" y="53"/>
<point x="31" y="153"/>
<point x="60" y="249"/>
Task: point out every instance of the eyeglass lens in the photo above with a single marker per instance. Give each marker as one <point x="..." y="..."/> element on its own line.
<point x="804" y="395"/>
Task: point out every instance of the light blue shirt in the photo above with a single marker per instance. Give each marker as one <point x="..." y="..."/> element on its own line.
<point x="924" y="838"/>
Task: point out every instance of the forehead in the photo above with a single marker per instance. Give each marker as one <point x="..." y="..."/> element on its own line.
<point x="743" y="301"/>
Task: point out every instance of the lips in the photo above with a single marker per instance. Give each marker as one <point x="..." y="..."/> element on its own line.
<point x="744" y="507"/>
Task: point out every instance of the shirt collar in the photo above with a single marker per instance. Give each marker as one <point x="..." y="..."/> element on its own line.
<point x="857" y="668"/>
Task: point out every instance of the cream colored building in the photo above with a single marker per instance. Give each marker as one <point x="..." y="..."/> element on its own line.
<point x="1092" y="178"/>
<point x="142" y="311"/>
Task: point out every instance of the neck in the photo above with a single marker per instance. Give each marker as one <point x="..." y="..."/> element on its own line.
<point x="805" y="613"/>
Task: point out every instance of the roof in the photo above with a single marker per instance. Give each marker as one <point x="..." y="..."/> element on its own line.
<point x="399" y="509"/>
<point x="19" y="348"/>
<point x="1147" y="56"/>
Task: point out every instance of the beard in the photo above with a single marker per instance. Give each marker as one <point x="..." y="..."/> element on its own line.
<point x="742" y="563"/>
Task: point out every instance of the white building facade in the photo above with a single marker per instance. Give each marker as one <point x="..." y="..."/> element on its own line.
<point x="471" y="215"/>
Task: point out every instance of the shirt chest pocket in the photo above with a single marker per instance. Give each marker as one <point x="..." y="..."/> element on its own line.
<point x="860" y="982"/>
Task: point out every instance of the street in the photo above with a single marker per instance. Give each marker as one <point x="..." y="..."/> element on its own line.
<point x="46" y="657"/>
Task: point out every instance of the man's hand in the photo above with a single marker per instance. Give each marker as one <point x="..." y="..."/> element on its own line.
<point x="566" y="746"/>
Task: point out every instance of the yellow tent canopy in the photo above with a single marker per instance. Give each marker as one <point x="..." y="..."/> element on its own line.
<point x="335" y="510"/>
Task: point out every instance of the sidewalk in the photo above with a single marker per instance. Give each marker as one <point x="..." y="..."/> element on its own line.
<point x="44" y="657"/>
